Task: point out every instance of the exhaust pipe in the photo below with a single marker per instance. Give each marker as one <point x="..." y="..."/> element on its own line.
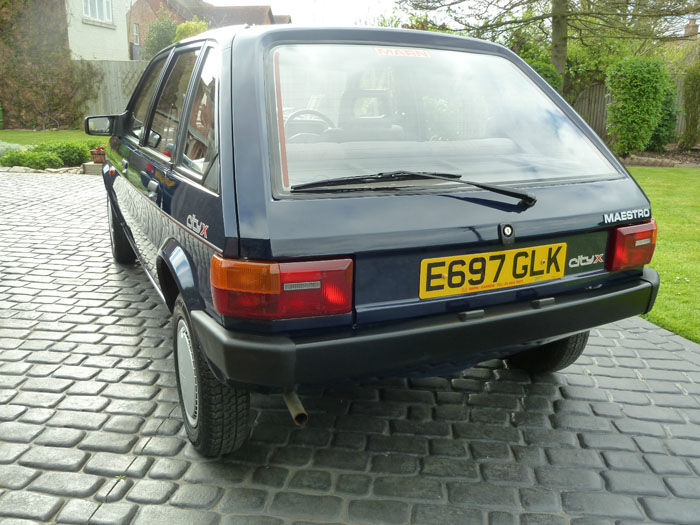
<point x="296" y="409"/>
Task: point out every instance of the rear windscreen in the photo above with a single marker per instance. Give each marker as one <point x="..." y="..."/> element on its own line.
<point x="353" y="110"/>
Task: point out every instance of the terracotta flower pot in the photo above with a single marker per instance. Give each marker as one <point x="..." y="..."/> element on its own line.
<point x="98" y="156"/>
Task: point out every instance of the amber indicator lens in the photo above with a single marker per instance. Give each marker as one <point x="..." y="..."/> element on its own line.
<point x="281" y="290"/>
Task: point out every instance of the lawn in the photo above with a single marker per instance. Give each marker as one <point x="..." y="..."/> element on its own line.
<point x="675" y="202"/>
<point x="29" y="137"/>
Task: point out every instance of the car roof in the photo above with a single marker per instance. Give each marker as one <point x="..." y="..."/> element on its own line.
<point x="225" y="35"/>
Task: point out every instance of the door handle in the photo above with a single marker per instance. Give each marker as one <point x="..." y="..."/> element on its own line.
<point x="153" y="189"/>
<point x="125" y="164"/>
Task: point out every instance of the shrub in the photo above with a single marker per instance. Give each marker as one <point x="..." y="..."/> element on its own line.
<point x="38" y="160"/>
<point x="548" y="72"/>
<point x="691" y="106"/>
<point x="190" y="28"/>
<point x="637" y="86"/>
<point x="70" y="153"/>
<point x="2" y="120"/>
<point x="665" y="132"/>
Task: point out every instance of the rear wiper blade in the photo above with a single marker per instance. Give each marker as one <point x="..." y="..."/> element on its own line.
<point x="526" y="199"/>
<point x="376" y="177"/>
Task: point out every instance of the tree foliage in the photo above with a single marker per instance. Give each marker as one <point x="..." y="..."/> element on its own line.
<point x="190" y="28"/>
<point x="691" y="106"/>
<point x="161" y="34"/>
<point x="638" y="87"/>
<point x="547" y="71"/>
<point x="560" y="22"/>
<point x="40" y="86"/>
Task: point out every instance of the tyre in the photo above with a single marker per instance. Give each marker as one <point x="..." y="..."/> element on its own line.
<point x="122" y="251"/>
<point x="550" y="357"/>
<point x="215" y="415"/>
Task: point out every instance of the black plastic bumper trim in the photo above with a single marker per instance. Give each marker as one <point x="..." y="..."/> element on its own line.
<point x="280" y="361"/>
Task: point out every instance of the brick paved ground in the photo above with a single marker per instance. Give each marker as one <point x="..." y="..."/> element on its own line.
<point x="90" y="429"/>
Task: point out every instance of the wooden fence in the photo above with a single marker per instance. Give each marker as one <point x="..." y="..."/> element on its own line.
<point x="119" y="78"/>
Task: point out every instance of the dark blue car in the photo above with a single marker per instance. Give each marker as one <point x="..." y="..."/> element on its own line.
<point x="322" y="206"/>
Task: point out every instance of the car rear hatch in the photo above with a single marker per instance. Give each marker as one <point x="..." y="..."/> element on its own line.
<point x="424" y="247"/>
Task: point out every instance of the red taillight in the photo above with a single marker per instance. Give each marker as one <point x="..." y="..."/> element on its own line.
<point x="631" y="246"/>
<point x="261" y="290"/>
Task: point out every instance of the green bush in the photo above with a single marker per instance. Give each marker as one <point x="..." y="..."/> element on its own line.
<point x="665" y="132"/>
<point x="547" y="71"/>
<point x="637" y="86"/>
<point x="70" y="153"/>
<point x="2" y="120"/>
<point x="691" y="106"/>
<point x="38" y="160"/>
<point x="190" y="28"/>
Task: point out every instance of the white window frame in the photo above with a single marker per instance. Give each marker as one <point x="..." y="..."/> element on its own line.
<point x="135" y="34"/>
<point x="92" y="8"/>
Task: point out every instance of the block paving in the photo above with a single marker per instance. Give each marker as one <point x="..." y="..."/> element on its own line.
<point x="90" y="429"/>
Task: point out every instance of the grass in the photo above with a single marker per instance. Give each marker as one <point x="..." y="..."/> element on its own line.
<point x="675" y="203"/>
<point x="29" y="137"/>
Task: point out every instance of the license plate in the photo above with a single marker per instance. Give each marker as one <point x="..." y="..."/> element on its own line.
<point x="463" y="274"/>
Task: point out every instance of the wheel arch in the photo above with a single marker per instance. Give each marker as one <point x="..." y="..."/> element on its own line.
<point x="176" y="276"/>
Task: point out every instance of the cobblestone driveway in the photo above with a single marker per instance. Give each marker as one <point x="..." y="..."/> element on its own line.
<point x="90" y="429"/>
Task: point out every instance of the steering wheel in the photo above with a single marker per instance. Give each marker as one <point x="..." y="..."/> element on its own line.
<point x="307" y="111"/>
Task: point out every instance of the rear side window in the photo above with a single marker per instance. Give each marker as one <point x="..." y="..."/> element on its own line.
<point x="166" y="117"/>
<point x="143" y="99"/>
<point x="200" y="149"/>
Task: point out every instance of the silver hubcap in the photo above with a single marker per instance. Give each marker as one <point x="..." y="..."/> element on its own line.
<point x="185" y="370"/>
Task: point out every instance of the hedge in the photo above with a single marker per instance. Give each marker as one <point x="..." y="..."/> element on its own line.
<point x="38" y="160"/>
<point x="665" y="132"/>
<point x="71" y="153"/>
<point x="49" y="154"/>
<point x="638" y="87"/>
<point x="691" y="106"/>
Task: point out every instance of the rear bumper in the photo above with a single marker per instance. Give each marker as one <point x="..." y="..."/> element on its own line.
<point x="415" y="346"/>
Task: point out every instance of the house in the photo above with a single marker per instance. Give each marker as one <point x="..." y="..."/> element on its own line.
<point x="97" y="29"/>
<point x="144" y="12"/>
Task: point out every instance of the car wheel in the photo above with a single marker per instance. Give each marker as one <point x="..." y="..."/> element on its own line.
<point x="122" y="251"/>
<point x="215" y="415"/>
<point x="550" y="357"/>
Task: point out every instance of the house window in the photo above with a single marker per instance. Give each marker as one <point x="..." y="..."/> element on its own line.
<point x="98" y="10"/>
<point x="136" y="35"/>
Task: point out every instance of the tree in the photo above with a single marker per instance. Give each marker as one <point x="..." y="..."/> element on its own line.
<point x="160" y="35"/>
<point x="585" y="21"/>
<point x="190" y="28"/>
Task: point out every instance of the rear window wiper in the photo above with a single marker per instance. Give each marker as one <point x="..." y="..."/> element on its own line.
<point x="526" y="199"/>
